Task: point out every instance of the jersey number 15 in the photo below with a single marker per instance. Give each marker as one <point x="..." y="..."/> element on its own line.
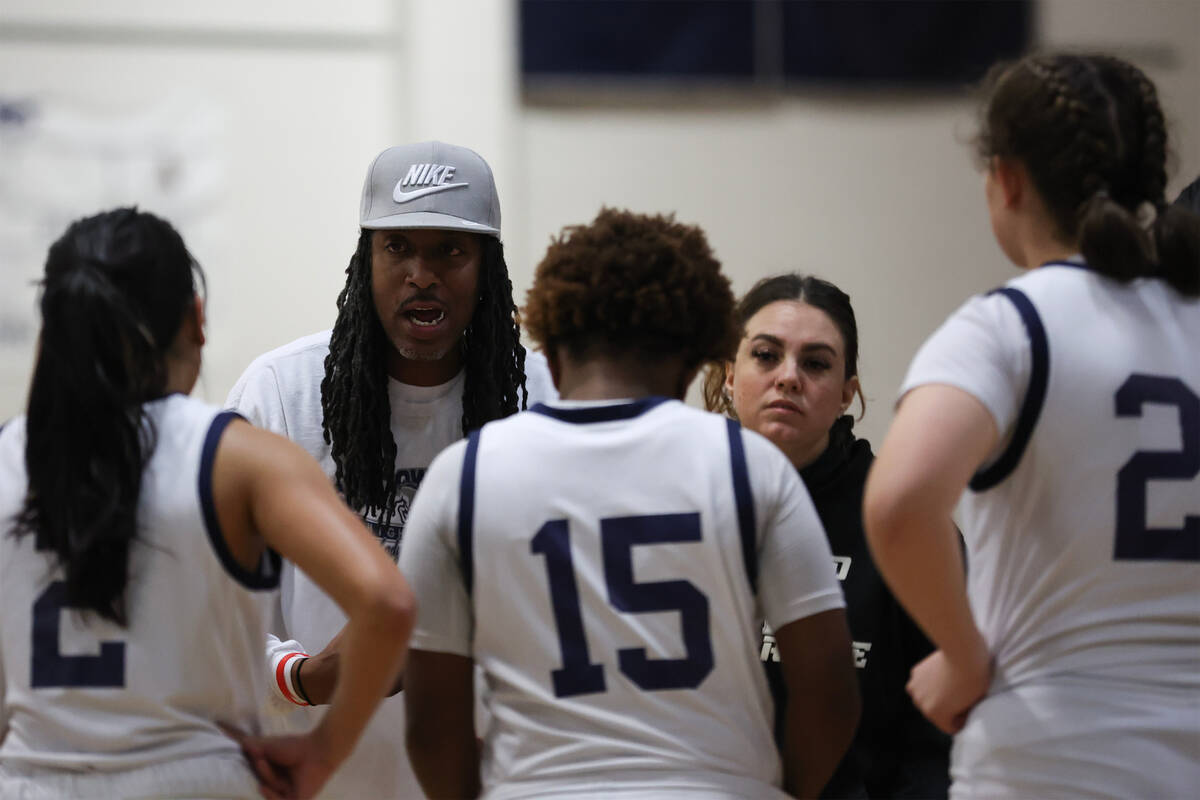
<point x="618" y="536"/>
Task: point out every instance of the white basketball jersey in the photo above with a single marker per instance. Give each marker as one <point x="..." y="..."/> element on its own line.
<point x="84" y="695"/>
<point x="1084" y="528"/>
<point x="608" y="566"/>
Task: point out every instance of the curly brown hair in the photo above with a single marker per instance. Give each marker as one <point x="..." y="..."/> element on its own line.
<point x="632" y="284"/>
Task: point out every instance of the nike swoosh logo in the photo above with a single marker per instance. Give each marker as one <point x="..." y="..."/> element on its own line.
<point x="401" y="196"/>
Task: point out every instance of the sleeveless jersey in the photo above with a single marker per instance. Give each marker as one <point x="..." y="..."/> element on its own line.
<point x="86" y="696"/>
<point x="608" y="566"/>
<point x="1083" y="529"/>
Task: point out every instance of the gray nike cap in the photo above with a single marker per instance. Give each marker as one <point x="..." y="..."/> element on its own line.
<point x="430" y="185"/>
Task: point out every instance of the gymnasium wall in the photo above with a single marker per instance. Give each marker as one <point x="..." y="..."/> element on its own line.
<point x="255" y="122"/>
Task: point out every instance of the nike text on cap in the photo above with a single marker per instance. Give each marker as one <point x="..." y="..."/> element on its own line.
<point x="430" y="185"/>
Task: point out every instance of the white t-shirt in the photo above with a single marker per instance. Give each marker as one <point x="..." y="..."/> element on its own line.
<point x="281" y="391"/>
<point x="609" y="566"/>
<point x="1083" y="530"/>
<point x="118" y="711"/>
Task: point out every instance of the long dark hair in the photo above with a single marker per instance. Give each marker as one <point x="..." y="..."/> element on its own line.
<point x="357" y="420"/>
<point x="795" y="287"/>
<point x="1090" y="131"/>
<point x="115" y="292"/>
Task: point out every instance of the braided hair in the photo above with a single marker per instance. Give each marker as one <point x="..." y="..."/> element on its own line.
<point x="1091" y="133"/>
<point x="356" y="412"/>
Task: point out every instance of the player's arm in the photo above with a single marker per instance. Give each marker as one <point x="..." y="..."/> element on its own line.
<point x="315" y="677"/>
<point x="266" y="486"/>
<point x="938" y="440"/>
<point x="257" y="397"/>
<point x="923" y="751"/>
<point x="439" y="687"/>
<point x="822" y="698"/>
<point x="802" y="601"/>
<point x="298" y="678"/>
<point x="440" y="724"/>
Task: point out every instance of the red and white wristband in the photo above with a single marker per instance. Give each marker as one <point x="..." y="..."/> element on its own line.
<point x="283" y="678"/>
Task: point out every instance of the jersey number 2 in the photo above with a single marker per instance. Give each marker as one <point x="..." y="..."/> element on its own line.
<point x="618" y="536"/>
<point x="1135" y="540"/>
<point x="50" y="668"/>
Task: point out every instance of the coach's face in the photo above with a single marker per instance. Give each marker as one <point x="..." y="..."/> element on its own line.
<point x="425" y="285"/>
<point x="788" y="381"/>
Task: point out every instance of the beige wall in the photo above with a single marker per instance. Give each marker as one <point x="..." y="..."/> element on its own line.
<point x="877" y="193"/>
<point x="874" y="191"/>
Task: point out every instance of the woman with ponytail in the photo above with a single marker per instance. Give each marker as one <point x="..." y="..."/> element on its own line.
<point x="1068" y="402"/>
<point x="138" y="531"/>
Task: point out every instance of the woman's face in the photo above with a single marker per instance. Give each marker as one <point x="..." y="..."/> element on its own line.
<point x="788" y="381"/>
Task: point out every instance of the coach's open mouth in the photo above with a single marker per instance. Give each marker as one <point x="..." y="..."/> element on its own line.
<point x="425" y="317"/>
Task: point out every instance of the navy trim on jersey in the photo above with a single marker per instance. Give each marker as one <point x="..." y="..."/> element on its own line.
<point x="466" y="512"/>
<point x="267" y="576"/>
<point x="1073" y="264"/>
<point x="745" y="502"/>
<point x="605" y="413"/>
<point x="1035" y="395"/>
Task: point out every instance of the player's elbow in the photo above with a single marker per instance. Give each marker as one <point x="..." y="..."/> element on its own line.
<point x="399" y="605"/>
<point x="891" y="508"/>
<point x="389" y="605"/>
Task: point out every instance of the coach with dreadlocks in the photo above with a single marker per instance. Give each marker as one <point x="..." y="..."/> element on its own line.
<point x="425" y="349"/>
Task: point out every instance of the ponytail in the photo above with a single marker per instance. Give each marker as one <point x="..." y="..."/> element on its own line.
<point x="114" y="294"/>
<point x="1112" y="241"/>
<point x="1115" y="243"/>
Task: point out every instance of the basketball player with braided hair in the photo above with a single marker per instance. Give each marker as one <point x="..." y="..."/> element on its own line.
<point x="1068" y="403"/>
<point x="425" y="349"/>
<point x="607" y="560"/>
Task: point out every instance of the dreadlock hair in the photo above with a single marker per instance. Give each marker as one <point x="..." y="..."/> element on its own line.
<point x="117" y="287"/>
<point x="357" y="416"/>
<point x="1090" y="131"/>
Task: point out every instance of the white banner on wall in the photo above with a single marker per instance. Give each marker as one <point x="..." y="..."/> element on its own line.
<point x="59" y="162"/>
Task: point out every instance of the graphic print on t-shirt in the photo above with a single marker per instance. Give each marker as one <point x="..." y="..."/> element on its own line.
<point x="770" y="649"/>
<point x="407" y="481"/>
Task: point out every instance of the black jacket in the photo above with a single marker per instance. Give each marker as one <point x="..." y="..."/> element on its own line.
<point x="896" y="752"/>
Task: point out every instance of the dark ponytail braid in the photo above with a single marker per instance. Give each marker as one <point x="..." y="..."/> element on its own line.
<point x="116" y="288"/>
